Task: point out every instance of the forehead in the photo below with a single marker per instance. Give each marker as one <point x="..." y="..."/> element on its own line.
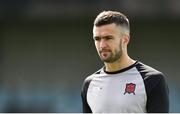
<point x="108" y="29"/>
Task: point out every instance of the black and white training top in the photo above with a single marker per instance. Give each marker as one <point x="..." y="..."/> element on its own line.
<point x="135" y="89"/>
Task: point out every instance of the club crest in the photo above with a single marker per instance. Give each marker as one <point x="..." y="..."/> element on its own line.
<point x="130" y="88"/>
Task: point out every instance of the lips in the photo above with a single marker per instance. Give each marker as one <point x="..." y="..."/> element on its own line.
<point x="105" y="51"/>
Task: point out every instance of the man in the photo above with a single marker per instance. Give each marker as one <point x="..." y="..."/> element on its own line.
<point x="123" y="85"/>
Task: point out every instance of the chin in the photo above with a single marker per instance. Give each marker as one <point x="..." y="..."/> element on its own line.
<point x="106" y="60"/>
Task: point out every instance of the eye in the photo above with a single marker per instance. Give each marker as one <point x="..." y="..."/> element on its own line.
<point x="97" y="38"/>
<point x="108" y="37"/>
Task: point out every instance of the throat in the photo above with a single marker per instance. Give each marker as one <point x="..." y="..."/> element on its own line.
<point x="118" y="65"/>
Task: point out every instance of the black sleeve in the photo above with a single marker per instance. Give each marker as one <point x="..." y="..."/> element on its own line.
<point x="86" y="108"/>
<point x="157" y="94"/>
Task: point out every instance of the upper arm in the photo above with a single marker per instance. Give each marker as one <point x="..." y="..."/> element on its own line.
<point x="157" y="94"/>
<point x="86" y="108"/>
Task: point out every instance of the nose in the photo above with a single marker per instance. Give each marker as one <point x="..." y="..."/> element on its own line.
<point x="103" y="44"/>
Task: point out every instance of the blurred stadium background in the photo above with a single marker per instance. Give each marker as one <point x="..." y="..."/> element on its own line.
<point x="46" y="49"/>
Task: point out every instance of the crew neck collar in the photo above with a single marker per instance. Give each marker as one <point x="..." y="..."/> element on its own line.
<point x="121" y="70"/>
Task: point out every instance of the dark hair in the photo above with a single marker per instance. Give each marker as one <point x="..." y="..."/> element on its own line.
<point x="109" y="17"/>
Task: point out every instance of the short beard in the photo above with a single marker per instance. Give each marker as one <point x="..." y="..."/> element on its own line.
<point x="113" y="57"/>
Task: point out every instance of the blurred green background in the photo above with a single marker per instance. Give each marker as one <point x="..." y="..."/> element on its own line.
<point x="47" y="50"/>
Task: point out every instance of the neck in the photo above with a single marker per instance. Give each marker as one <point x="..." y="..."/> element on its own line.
<point x="121" y="63"/>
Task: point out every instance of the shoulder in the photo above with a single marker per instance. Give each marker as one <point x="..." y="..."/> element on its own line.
<point x="147" y="71"/>
<point x="152" y="77"/>
<point x="89" y="78"/>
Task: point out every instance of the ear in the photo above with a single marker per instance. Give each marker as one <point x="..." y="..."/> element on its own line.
<point x="126" y="39"/>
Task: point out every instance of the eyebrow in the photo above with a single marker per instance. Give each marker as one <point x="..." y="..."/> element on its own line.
<point x="104" y="37"/>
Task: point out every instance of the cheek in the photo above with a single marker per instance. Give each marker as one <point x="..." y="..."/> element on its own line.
<point x="116" y="46"/>
<point x="96" y="45"/>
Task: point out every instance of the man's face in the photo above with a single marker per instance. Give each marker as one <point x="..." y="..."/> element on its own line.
<point x="108" y="42"/>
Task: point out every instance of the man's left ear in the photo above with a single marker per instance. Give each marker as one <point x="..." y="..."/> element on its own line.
<point x="126" y="39"/>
